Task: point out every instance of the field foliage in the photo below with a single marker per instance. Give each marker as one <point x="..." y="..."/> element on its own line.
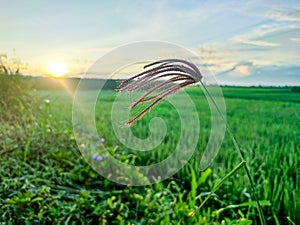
<point x="44" y="179"/>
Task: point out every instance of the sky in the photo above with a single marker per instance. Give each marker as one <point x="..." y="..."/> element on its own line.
<point x="241" y="42"/>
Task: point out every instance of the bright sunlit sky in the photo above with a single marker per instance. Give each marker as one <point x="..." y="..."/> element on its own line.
<point x="243" y="42"/>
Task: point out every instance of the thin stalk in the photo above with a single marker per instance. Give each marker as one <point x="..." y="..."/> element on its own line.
<point x="237" y="148"/>
<point x="217" y="185"/>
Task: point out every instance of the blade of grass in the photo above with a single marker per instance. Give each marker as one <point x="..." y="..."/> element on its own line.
<point x="289" y="219"/>
<point x="251" y="203"/>
<point x="217" y="185"/>
<point x="237" y="148"/>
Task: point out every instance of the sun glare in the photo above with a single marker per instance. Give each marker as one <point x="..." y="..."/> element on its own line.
<point x="57" y="69"/>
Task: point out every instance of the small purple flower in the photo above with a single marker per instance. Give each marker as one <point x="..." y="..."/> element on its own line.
<point x="94" y="156"/>
<point x="99" y="158"/>
<point x="115" y="203"/>
<point x="101" y="140"/>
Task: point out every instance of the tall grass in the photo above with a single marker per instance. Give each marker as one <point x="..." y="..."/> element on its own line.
<point x="51" y="183"/>
<point x="267" y="134"/>
<point x="243" y="163"/>
<point x="177" y="74"/>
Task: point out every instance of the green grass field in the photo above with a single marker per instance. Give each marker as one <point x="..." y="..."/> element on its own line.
<point x="44" y="179"/>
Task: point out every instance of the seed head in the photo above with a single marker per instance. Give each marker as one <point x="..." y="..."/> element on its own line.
<point x="165" y="77"/>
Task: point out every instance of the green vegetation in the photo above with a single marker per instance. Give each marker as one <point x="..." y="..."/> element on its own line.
<point x="44" y="179"/>
<point x="287" y="94"/>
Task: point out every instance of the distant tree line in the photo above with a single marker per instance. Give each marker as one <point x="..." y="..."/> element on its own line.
<point x="48" y="83"/>
<point x="14" y="82"/>
<point x="296" y="89"/>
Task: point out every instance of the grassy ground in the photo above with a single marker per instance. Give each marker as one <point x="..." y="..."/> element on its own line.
<point x="44" y="178"/>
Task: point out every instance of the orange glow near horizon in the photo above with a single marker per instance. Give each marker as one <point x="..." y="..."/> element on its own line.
<point x="57" y="69"/>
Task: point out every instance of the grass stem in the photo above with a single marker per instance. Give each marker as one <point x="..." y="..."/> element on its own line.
<point x="237" y="148"/>
<point x="218" y="184"/>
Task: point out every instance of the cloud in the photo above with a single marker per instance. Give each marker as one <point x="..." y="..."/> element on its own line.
<point x="258" y="43"/>
<point x="265" y="75"/>
<point x="240" y="71"/>
<point x="295" y="39"/>
<point x="291" y="14"/>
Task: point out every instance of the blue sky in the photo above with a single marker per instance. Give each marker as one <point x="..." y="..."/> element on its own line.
<point x="255" y="42"/>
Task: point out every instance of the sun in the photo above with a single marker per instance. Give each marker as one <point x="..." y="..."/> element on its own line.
<point x="57" y="69"/>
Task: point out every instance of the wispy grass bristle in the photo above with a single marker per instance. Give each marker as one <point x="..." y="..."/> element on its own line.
<point x="168" y="77"/>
